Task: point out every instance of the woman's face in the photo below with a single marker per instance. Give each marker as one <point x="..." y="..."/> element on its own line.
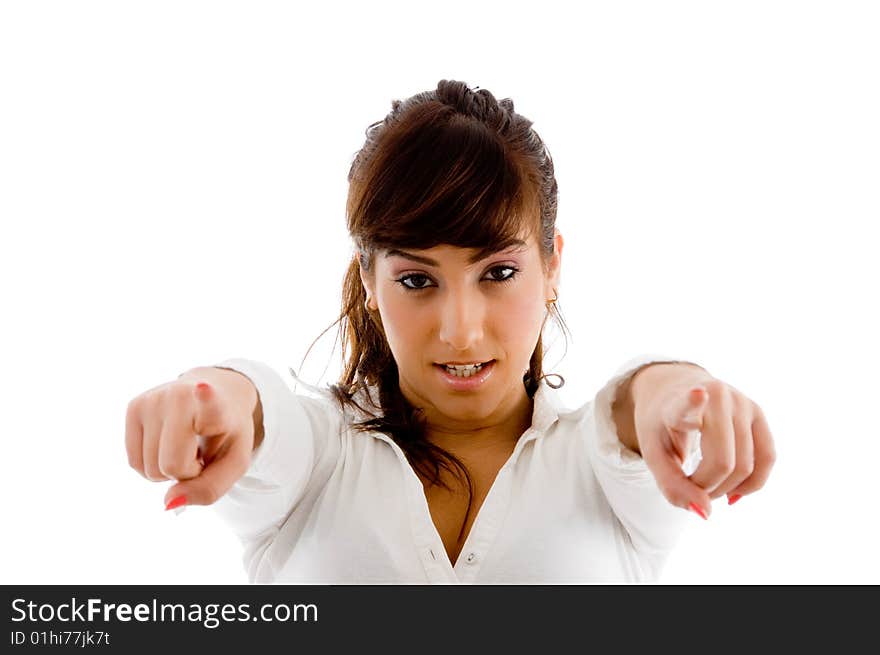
<point x="438" y="307"/>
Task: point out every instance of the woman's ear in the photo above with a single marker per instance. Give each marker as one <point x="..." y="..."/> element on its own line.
<point x="366" y="279"/>
<point x="555" y="267"/>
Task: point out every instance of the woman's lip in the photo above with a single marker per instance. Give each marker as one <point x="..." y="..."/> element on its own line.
<point x="469" y="383"/>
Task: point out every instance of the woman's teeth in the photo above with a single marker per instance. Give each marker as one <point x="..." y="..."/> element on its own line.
<point x="464" y="371"/>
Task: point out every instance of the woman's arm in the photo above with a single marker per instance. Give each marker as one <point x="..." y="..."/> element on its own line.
<point x="652" y="523"/>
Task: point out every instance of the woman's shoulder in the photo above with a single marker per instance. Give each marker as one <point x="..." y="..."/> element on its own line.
<point x="551" y="401"/>
<point x="360" y="406"/>
<point x="576" y="414"/>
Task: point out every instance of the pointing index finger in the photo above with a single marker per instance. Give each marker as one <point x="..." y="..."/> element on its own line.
<point x="179" y="445"/>
<point x="718" y="442"/>
<point x="686" y="412"/>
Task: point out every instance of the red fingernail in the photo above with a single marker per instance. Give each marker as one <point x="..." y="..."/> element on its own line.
<point x="732" y="499"/>
<point x="699" y="510"/>
<point x="176" y="502"/>
<point x="202" y="386"/>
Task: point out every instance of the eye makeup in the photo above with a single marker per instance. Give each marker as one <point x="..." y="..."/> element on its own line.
<point x="404" y="278"/>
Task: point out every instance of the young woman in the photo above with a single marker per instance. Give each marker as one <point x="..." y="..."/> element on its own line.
<point x="444" y="455"/>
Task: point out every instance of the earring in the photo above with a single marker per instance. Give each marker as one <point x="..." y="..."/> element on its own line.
<point x="555" y="297"/>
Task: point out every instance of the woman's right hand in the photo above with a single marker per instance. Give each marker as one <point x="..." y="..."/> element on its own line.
<point x="199" y="430"/>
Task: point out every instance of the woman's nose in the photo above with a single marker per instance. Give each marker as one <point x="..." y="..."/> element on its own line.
<point x="461" y="321"/>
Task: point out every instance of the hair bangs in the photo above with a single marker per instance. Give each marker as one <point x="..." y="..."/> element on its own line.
<point x="448" y="180"/>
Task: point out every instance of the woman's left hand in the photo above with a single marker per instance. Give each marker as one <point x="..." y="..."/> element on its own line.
<point x="737" y="448"/>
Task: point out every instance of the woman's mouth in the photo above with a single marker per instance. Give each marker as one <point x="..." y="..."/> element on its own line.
<point x="465" y="377"/>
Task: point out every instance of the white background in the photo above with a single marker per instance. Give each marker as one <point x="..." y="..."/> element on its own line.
<point x="172" y="188"/>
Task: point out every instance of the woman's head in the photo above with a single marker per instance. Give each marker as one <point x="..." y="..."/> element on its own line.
<point x="454" y="176"/>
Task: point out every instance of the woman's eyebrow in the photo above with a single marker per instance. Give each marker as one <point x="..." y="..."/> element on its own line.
<point x="473" y="259"/>
<point x="394" y="252"/>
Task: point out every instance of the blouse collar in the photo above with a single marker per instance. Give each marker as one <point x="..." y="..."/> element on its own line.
<point x="547" y="409"/>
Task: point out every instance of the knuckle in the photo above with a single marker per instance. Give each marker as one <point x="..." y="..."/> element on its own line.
<point x="145" y="405"/>
<point x="179" y="392"/>
<point x="172" y="469"/>
<point x="182" y="470"/>
<point x="753" y="485"/>
<point x="136" y="463"/>
<point x="135" y="411"/>
<point x="767" y="458"/>
<point x="744" y="469"/>
<point x="767" y="465"/>
<point x="723" y="468"/>
<point x="153" y="474"/>
<point x="717" y="388"/>
<point x="133" y="406"/>
<point x="757" y="411"/>
<point x="743" y="407"/>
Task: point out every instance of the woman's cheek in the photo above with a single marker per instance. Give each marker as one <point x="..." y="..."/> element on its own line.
<point x="518" y="311"/>
<point x="402" y="328"/>
<point x="518" y="321"/>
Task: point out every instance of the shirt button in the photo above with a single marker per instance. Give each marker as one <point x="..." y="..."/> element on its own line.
<point x="471" y="558"/>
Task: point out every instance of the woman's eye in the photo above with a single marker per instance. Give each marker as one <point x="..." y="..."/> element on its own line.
<point x="500" y="273"/>
<point x="417" y="280"/>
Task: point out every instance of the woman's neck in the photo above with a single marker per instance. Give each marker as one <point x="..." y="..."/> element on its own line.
<point x="502" y="431"/>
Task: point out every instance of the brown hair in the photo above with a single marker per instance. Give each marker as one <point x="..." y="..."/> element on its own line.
<point x="451" y="166"/>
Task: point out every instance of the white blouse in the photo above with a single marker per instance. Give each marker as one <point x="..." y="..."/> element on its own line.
<point x="324" y="504"/>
